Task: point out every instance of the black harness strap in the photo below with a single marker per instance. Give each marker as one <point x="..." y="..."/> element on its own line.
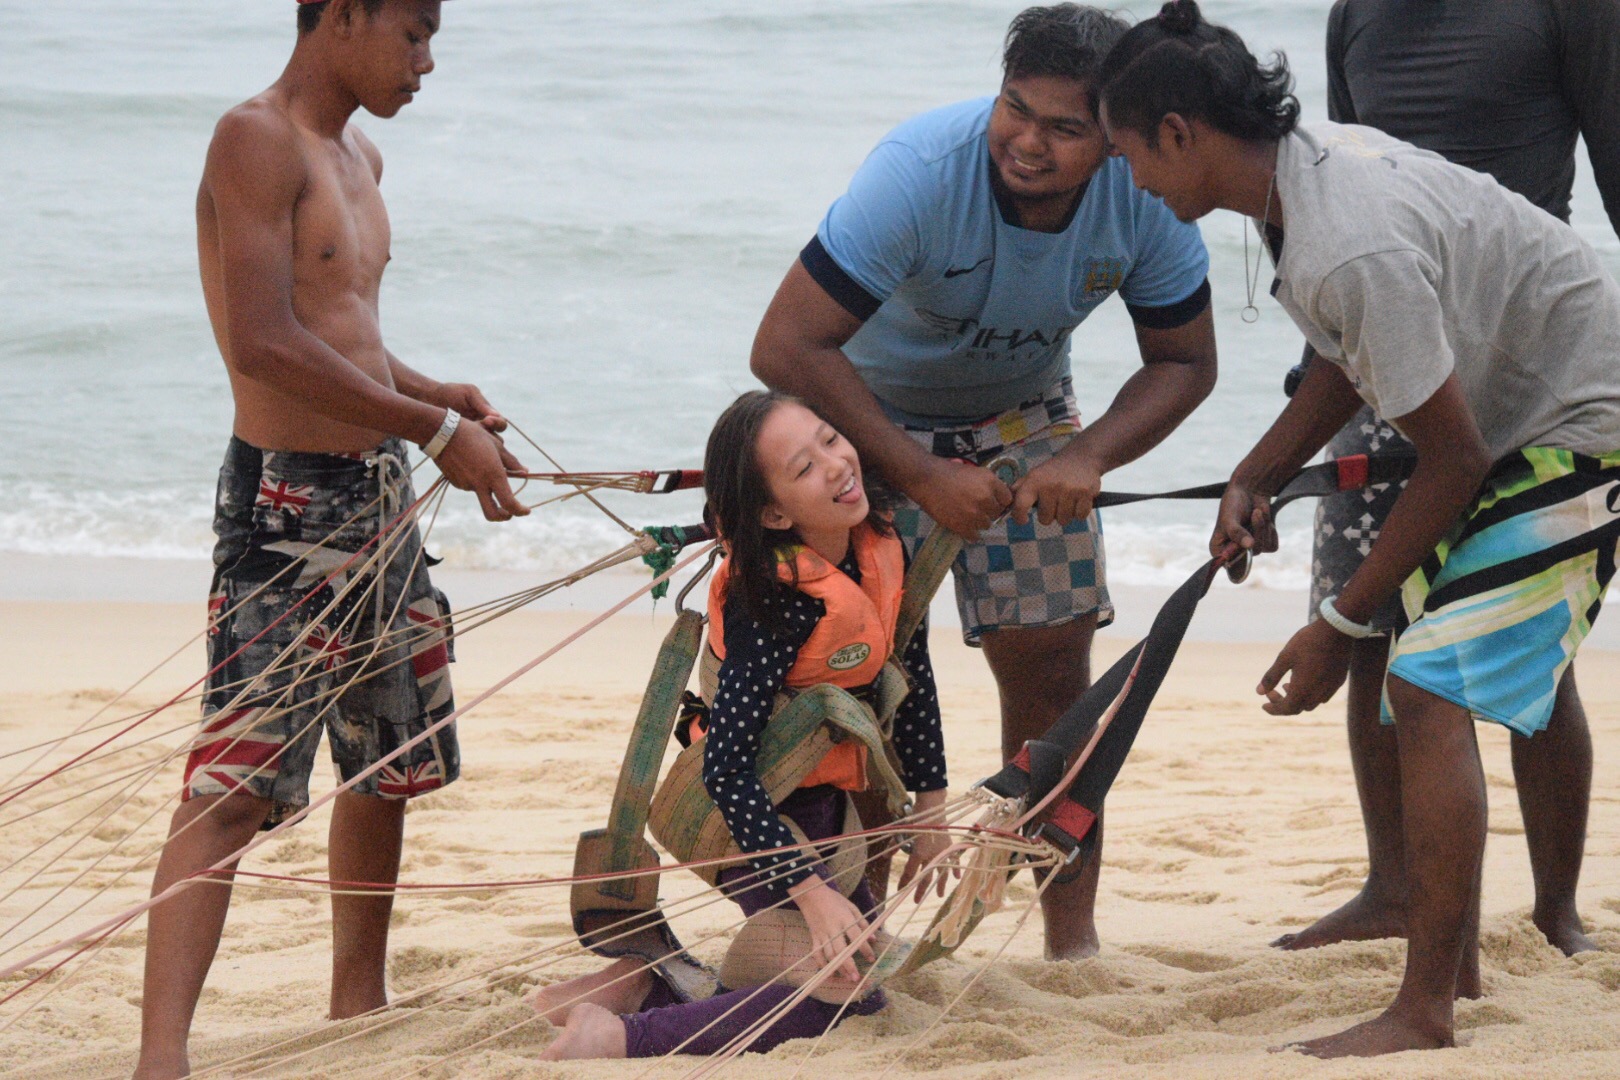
<point x="1130" y="684"/>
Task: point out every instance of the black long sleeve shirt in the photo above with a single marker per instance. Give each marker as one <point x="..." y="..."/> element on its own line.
<point x="1501" y="86"/>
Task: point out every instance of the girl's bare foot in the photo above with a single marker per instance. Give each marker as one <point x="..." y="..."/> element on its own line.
<point x="592" y="1032"/>
<point x="619" y="988"/>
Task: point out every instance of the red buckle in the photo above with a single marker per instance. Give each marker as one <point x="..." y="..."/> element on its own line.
<point x="1352" y="472"/>
<point x="1072" y="818"/>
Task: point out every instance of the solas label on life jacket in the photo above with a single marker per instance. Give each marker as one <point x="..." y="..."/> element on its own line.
<point x="850" y="656"/>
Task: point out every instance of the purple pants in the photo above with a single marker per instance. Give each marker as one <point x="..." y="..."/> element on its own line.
<point x="663" y="1023"/>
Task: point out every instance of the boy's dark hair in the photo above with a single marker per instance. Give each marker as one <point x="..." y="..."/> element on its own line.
<point x="309" y="15"/>
<point x="738" y="494"/>
<point x="1066" y="41"/>
<point x="1178" y="63"/>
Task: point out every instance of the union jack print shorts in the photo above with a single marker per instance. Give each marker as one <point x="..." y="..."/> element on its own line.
<point x="321" y="616"/>
<point x="1018" y="575"/>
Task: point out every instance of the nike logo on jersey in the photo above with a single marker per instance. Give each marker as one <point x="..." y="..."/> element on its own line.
<point x="958" y="271"/>
<point x="946" y="324"/>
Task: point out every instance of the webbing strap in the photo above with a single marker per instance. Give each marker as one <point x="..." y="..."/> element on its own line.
<point x="1135" y="678"/>
<point x="649" y="738"/>
<point x="1349" y="473"/>
<point x="1132" y="681"/>
<point x="687" y="823"/>
<point x="929" y="565"/>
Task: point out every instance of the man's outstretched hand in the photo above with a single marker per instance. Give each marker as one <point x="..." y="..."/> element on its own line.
<point x="1317" y="659"/>
<point x="1057" y="491"/>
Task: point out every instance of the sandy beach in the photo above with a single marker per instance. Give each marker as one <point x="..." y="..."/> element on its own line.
<point x="1226" y="829"/>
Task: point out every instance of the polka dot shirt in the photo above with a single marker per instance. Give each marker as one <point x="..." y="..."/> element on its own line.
<point x="757" y="661"/>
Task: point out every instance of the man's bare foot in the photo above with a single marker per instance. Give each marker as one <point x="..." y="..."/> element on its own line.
<point x="153" y="1066"/>
<point x="1564" y="930"/>
<point x="1390" y="1033"/>
<point x="1084" y="947"/>
<point x="1364" y="917"/>
<point x="620" y="988"/>
<point x="348" y="1006"/>
<point x="592" y="1032"/>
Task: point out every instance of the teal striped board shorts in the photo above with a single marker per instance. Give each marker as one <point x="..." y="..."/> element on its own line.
<point x="1496" y="613"/>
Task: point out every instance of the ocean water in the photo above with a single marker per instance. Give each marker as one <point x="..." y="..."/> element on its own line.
<point x="592" y="205"/>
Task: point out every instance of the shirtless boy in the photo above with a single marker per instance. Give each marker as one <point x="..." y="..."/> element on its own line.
<point x="292" y="238"/>
<point x="1488" y="333"/>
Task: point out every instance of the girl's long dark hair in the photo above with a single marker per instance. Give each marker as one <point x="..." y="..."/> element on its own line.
<point x="738" y="494"/>
<point x="1178" y="63"/>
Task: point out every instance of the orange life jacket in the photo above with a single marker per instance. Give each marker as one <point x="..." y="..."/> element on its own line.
<point x="850" y="644"/>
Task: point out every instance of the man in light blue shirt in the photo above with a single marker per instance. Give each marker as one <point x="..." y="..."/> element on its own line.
<point x="930" y="318"/>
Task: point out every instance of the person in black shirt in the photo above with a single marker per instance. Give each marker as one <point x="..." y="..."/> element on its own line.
<point x="1505" y="87"/>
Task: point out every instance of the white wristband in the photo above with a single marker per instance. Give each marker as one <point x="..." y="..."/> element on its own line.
<point x="441" y="438"/>
<point x="1341" y="624"/>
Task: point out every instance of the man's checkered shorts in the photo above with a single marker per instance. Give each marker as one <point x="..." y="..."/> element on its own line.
<point x="1018" y="575"/>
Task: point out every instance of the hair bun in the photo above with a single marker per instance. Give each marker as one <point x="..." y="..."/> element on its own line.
<point x="1180" y="16"/>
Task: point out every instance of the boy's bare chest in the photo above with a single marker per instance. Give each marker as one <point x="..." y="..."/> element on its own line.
<point x="341" y="235"/>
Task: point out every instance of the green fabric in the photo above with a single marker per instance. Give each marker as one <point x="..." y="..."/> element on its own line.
<point x="929" y="565"/>
<point x="660" y="560"/>
<point x="689" y="824"/>
<point x="638" y="775"/>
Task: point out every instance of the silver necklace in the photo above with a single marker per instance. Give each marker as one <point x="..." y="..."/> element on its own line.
<point x="1251" y="313"/>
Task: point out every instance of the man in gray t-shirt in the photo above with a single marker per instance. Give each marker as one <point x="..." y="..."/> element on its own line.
<point x="1404" y="270"/>
<point x="1505" y="87"/>
<point x="1489" y="333"/>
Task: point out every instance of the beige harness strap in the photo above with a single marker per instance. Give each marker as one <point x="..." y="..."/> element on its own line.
<point x="798" y="735"/>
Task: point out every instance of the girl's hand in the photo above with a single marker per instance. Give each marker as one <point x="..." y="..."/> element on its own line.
<point x="926" y="846"/>
<point x="834" y="923"/>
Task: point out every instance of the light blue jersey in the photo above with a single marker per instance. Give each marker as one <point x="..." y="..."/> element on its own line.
<point x="967" y="315"/>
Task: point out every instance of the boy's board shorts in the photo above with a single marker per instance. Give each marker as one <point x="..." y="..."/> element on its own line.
<point x="1496" y="613"/>
<point x="1015" y="575"/>
<point x="1349" y="522"/>
<point x="364" y="655"/>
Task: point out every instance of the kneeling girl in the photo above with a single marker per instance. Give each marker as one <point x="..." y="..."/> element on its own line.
<point x="809" y="593"/>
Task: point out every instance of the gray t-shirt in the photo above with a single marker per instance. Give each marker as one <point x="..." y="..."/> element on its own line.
<point x="1401" y="267"/>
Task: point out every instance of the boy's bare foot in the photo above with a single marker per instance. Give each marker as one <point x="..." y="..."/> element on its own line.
<point x="1390" y="1033"/>
<point x="619" y="988"/>
<point x="1564" y="930"/>
<point x="592" y="1032"/>
<point x="1364" y="917"/>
